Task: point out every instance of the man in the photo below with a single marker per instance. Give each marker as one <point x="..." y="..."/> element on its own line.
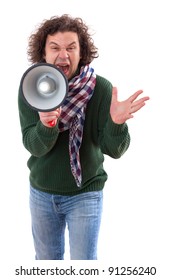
<point x="66" y="163"/>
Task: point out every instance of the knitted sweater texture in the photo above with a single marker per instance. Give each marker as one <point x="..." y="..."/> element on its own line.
<point x="49" y="161"/>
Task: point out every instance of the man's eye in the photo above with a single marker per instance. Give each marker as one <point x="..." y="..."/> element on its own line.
<point x="70" y="49"/>
<point x="54" y="48"/>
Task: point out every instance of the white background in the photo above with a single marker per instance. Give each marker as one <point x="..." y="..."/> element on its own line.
<point x="133" y="41"/>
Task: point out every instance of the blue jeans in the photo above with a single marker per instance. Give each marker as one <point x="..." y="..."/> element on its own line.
<point x="51" y="213"/>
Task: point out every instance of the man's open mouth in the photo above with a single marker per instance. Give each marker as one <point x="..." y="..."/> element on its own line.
<point x="64" y="68"/>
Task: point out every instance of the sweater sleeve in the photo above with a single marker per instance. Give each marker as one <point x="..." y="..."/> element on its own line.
<point x="37" y="138"/>
<point x="114" y="138"/>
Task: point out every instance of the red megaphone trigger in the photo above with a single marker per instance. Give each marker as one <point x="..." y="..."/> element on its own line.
<point x="52" y="123"/>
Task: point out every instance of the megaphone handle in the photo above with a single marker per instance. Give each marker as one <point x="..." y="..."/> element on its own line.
<point x="52" y="123"/>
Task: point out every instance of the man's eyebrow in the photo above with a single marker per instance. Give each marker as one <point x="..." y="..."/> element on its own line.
<point x="54" y="43"/>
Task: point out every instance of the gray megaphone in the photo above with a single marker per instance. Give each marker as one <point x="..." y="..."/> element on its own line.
<point x="44" y="87"/>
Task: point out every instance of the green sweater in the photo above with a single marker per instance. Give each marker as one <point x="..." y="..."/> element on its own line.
<point x="49" y="161"/>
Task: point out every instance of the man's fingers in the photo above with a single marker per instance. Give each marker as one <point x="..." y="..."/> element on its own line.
<point x="138" y="102"/>
<point x="114" y="94"/>
<point x="135" y="95"/>
<point x="137" y="107"/>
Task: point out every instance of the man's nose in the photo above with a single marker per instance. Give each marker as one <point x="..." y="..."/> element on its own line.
<point x="63" y="53"/>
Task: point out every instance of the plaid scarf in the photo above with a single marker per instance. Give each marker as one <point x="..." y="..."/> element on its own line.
<point x="72" y="117"/>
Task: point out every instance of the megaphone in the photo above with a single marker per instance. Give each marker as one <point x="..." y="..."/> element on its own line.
<point x="44" y="87"/>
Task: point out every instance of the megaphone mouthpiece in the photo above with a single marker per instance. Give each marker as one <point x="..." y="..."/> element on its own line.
<point x="46" y="85"/>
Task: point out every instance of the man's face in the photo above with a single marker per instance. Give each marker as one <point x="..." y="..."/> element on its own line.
<point x="63" y="50"/>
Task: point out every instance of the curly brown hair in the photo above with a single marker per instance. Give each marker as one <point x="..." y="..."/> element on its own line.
<point x="37" y="40"/>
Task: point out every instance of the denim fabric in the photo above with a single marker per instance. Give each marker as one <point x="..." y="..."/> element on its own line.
<point x="50" y="214"/>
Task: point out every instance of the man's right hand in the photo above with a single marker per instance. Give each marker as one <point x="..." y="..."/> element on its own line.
<point x="49" y="119"/>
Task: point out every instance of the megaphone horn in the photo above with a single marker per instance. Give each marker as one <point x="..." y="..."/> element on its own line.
<point x="44" y="87"/>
